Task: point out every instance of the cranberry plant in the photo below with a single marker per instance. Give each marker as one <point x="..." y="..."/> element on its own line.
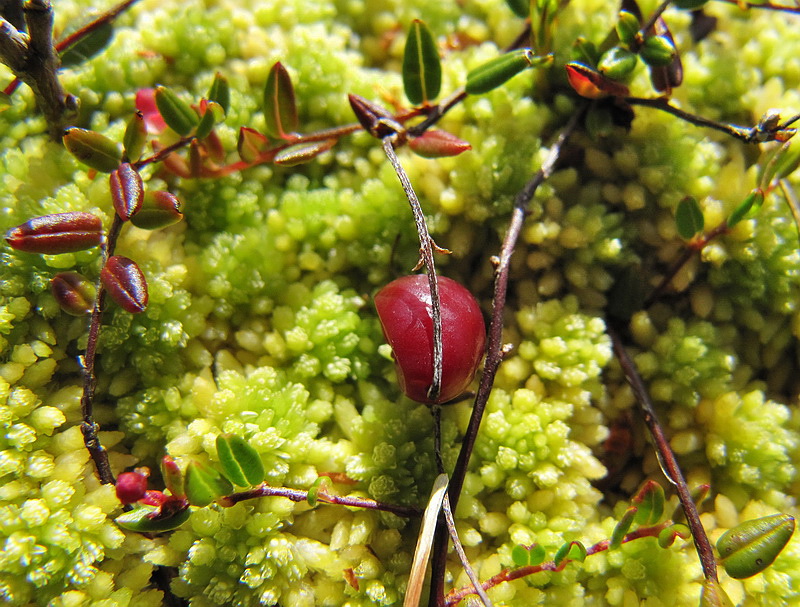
<point x="569" y="155"/>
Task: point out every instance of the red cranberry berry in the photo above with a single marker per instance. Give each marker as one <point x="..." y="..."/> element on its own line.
<point x="405" y="311"/>
<point x="131" y="487"/>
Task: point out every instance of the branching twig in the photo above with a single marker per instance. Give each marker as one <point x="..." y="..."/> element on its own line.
<point x="667" y="458"/>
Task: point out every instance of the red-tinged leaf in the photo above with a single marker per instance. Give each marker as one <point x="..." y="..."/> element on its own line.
<point x="93" y="149"/>
<point x="172" y="475"/>
<point x="125" y="284"/>
<point x="300" y="154"/>
<point x="57" y="233"/>
<point x="195" y="159"/>
<point x="670" y="76"/>
<point x="220" y="92"/>
<point x="127" y="191"/>
<point x="280" y="107"/>
<point x="74" y="293"/>
<point x="375" y="119"/>
<point x="592" y="84"/>
<point x="211" y="113"/>
<point x="438" y="144"/>
<point x="251" y="144"/>
<point x="159" y="210"/>
<point x="146" y="104"/>
<point x="175" y="163"/>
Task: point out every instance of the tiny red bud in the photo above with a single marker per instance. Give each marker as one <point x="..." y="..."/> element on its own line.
<point x="438" y="144"/>
<point x="131" y="487"/>
<point x="57" y="233"/>
<point x="127" y="190"/>
<point x="159" y="210"/>
<point x="125" y="284"/>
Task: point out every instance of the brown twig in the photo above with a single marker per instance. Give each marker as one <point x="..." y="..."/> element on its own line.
<point x="507" y="575"/>
<point x="494" y="355"/>
<point x="667" y="458"/>
<point x="298" y="495"/>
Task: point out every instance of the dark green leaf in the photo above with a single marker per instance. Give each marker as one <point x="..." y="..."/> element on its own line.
<point x="499" y="70"/>
<point x="622" y="528"/>
<point x="747" y="208"/>
<point x="148" y="519"/>
<point x="159" y="210"/>
<point x="666" y="536"/>
<point x="521" y="8"/>
<point x="753" y="545"/>
<point x="422" y="69"/>
<point x="212" y="114"/>
<point x="617" y="63"/>
<point x="178" y="114"/>
<point x="650" y="503"/>
<point x="88" y="46"/>
<point x="689" y="218"/>
<point x="220" y="92"/>
<point x="135" y="137"/>
<point x="280" y="108"/>
<point x="203" y="484"/>
<point x="689" y="4"/>
<point x="241" y="464"/>
<point x="627" y="27"/>
<point x="658" y="51"/>
<point x="93" y="149"/>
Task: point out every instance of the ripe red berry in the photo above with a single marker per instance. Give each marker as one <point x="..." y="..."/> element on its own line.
<point x="405" y="311"/>
<point x="131" y="486"/>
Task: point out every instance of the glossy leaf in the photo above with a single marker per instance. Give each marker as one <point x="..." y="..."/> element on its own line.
<point x="438" y="144"/>
<point x="74" y="293"/>
<point x="251" y="144"/>
<point x="280" y="107"/>
<point x="592" y="84"/>
<point x="658" y="51"/>
<point x="617" y="63"/>
<point x="203" y="484"/>
<point x="159" y="209"/>
<point x="499" y="70"/>
<point x="649" y="501"/>
<point x="152" y="519"/>
<point x="524" y="556"/>
<point x="586" y="51"/>
<point x="241" y="463"/>
<point x="127" y="190"/>
<point x="57" y="233"/>
<point x="627" y="27"/>
<point x="93" y="149"/>
<point x="753" y="545"/>
<point x="211" y="114"/>
<point x="689" y="218"/>
<point x="622" y="527"/>
<point x="666" y="77"/>
<point x="87" y="47"/>
<point x="747" y="208"/>
<point x="422" y="68"/>
<point x="125" y="284"/>
<point x="135" y="137"/>
<point x="712" y="595"/>
<point x="172" y="475"/>
<point x="220" y="92"/>
<point x="177" y="114"/>
<point x="305" y="152"/>
<point x="375" y="119"/>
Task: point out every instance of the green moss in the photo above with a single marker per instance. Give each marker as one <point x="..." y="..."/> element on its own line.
<point x="260" y="321"/>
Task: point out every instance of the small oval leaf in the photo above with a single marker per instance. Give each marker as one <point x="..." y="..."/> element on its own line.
<point x="649" y="501"/>
<point x="150" y="519"/>
<point x="57" y="233"/>
<point x="667" y="536"/>
<point x="300" y="154"/>
<point x="125" y="284"/>
<point x="203" y="484"/>
<point x="127" y="190"/>
<point x="747" y="208"/>
<point x="499" y="70"/>
<point x="321" y="484"/>
<point x="753" y="545"/>
<point x="74" y="293"/>
<point x="88" y="46"/>
<point x="92" y="149"/>
<point x="172" y="475"/>
<point x="135" y="137"/>
<point x="689" y="218"/>
<point x="280" y="107"/>
<point x="627" y="27"/>
<point x="178" y="114"/>
<point x="658" y="51"/>
<point x="622" y="527"/>
<point x="438" y="144"/>
<point x="251" y="144"/>
<point x="211" y="115"/>
<point x="422" y="68"/>
<point x="240" y="462"/>
<point x="592" y="84"/>
<point x="617" y="63"/>
<point x="220" y="92"/>
<point x="159" y="209"/>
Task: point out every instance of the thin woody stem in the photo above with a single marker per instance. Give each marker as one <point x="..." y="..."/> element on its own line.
<point x="298" y="495"/>
<point x="494" y="355"/>
<point x="667" y="458"/>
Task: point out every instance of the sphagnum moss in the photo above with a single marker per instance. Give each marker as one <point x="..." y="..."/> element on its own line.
<point x="260" y="322"/>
